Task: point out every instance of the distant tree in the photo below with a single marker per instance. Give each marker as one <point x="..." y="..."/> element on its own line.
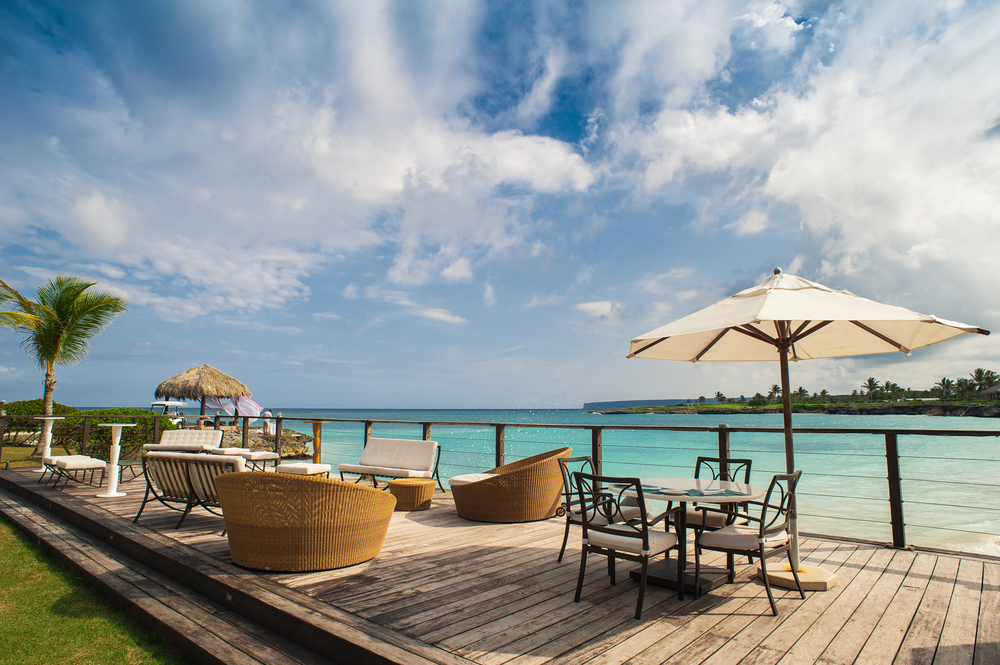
<point x="757" y="400"/>
<point x="965" y="388"/>
<point x="774" y="393"/>
<point x="61" y="322"/>
<point x="945" y="387"/>
<point x="743" y="399"/>
<point x="984" y="378"/>
<point x="701" y="399"/>
<point x="824" y="396"/>
<point x="720" y="398"/>
<point x="870" y="386"/>
<point x="802" y="394"/>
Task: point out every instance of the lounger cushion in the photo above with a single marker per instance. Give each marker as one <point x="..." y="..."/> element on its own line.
<point x="52" y="459"/>
<point x="303" y="468"/>
<point x="467" y="478"/>
<point x="232" y="451"/>
<point x="80" y="463"/>
<point x="740" y="537"/>
<point x="258" y="455"/>
<point x="659" y="541"/>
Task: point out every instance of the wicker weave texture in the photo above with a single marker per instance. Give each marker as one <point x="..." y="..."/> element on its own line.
<point x="523" y="491"/>
<point x="291" y="523"/>
<point x="413" y="493"/>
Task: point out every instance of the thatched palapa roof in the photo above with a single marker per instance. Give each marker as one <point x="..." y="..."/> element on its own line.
<point x="202" y="381"/>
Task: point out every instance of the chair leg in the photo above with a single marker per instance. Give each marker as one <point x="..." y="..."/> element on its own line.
<point x="795" y="574"/>
<point x="611" y="568"/>
<point x="583" y="571"/>
<point x="731" y="564"/>
<point x="697" y="570"/>
<point x="144" y="500"/>
<point x="642" y="587"/>
<point x="565" y="540"/>
<point x="767" y="585"/>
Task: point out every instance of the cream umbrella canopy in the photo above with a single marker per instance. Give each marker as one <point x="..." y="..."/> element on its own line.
<point x="201" y="382"/>
<point x="788" y="317"/>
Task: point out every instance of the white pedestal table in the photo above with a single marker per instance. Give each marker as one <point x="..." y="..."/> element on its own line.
<point x="116" y="448"/>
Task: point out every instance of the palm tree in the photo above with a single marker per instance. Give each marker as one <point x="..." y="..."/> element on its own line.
<point x="824" y="395"/>
<point x="12" y="319"/>
<point x="802" y="394"/>
<point x="965" y="388"/>
<point x="59" y="324"/>
<point x="984" y="378"/>
<point x="774" y="393"/>
<point x="870" y="386"/>
<point x="945" y="387"/>
<point x="720" y="398"/>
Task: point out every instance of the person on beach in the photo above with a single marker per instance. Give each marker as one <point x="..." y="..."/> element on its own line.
<point x="268" y="423"/>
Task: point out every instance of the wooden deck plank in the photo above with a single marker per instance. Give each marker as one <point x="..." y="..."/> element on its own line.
<point x="958" y="637"/>
<point x="815" y="640"/>
<point x="885" y="641"/>
<point x="851" y="639"/>
<point x="988" y="635"/>
<point x="921" y="641"/>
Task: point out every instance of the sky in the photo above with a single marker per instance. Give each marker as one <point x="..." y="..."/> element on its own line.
<point x="453" y="204"/>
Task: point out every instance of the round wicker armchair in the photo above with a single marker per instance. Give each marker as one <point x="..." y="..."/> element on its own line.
<point x="291" y="523"/>
<point x="523" y="491"/>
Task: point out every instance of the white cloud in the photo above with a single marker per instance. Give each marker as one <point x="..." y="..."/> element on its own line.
<point x="489" y="296"/>
<point x="751" y="223"/>
<point x="350" y="291"/>
<point x="400" y="299"/>
<point x="603" y="309"/>
<point x="332" y="316"/>
<point x="458" y="271"/>
<point x="544" y="301"/>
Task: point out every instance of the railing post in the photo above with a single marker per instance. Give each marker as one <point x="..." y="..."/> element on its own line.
<point x="156" y="430"/>
<point x="724" y="450"/>
<point x="86" y="435"/>
<point x="246" y="431"/>
<point x="501" y="453"/>
<point x="3" y="432"/>
<point x="895" y="491"/>
<point x="317" y="441"/>
<point x="368" y="431"/>
<point x="596" y="452"/>
<point x="216" y="421"/>
<point x="277" y="435"/>
<point x="427" y="431"/>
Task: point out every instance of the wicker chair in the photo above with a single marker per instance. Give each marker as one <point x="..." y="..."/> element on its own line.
<point x="288" y="523"/>
<point x="523" y="491"/>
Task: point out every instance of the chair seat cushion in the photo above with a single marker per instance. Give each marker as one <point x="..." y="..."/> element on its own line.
<point x="232" y="451"/>
<point x="467" y="478"/>
<point x="303" y="468"/>
<point x="659" y="541"/>
<point x="80" y="463"/>
<point x="740" y="537"/>
<point x="384" y="471"/>
<point x="52" y="459"/>
<point x="627" y="513"/>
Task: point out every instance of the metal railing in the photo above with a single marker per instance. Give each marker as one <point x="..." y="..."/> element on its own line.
<point x="469" y="448"/>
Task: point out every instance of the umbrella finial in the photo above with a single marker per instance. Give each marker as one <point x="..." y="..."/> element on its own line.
<point x="777" y="271"/>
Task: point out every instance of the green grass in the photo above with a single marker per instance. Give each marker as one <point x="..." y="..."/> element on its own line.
<point x="18" y="456"/>
<point x="50" y="614"/>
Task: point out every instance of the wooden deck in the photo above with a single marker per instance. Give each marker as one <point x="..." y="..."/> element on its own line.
<point x="445" y="590"/>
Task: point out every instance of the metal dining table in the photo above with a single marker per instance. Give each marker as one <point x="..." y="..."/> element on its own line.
<point x="685" y="491"/>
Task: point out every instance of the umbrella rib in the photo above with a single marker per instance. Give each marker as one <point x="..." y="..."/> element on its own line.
<point x="882" y="337"/>
<point x="650" y="345"/>
<point x="756" y="333"/>
<point x="796" y="336"/>
<point x="713" y="343"/>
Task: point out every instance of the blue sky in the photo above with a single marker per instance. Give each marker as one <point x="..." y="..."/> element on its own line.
<point x="478" y="205"/>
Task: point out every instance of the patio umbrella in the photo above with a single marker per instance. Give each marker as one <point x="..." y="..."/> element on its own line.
<point x="788" y="317"/>
<point x="201" y="382"/>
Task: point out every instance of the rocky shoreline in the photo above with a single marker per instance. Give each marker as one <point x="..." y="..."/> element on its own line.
<point x="294" y="445"/>
<point x="935" y="409"/>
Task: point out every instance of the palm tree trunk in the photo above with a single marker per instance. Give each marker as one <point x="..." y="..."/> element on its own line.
<point x="50" y="388"/>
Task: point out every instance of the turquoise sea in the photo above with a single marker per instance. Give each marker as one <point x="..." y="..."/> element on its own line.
<point x="950" y="485"/>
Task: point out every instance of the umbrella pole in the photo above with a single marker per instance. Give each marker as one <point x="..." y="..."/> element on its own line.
<point x="813" y="578"/>
<point x="786" y="404"/>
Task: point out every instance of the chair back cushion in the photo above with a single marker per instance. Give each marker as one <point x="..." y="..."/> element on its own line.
<point x="400" y="454"/>
<point x="210" y="437"/>
<point x="172" y="472"/>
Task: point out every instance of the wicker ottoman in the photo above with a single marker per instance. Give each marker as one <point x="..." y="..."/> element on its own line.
<point x="412" y="493"/>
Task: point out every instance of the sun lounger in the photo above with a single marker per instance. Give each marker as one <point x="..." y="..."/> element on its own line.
<point x="187" y="479"/>
<point x="396" y="458"/>
<point x="187" y="440"/>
